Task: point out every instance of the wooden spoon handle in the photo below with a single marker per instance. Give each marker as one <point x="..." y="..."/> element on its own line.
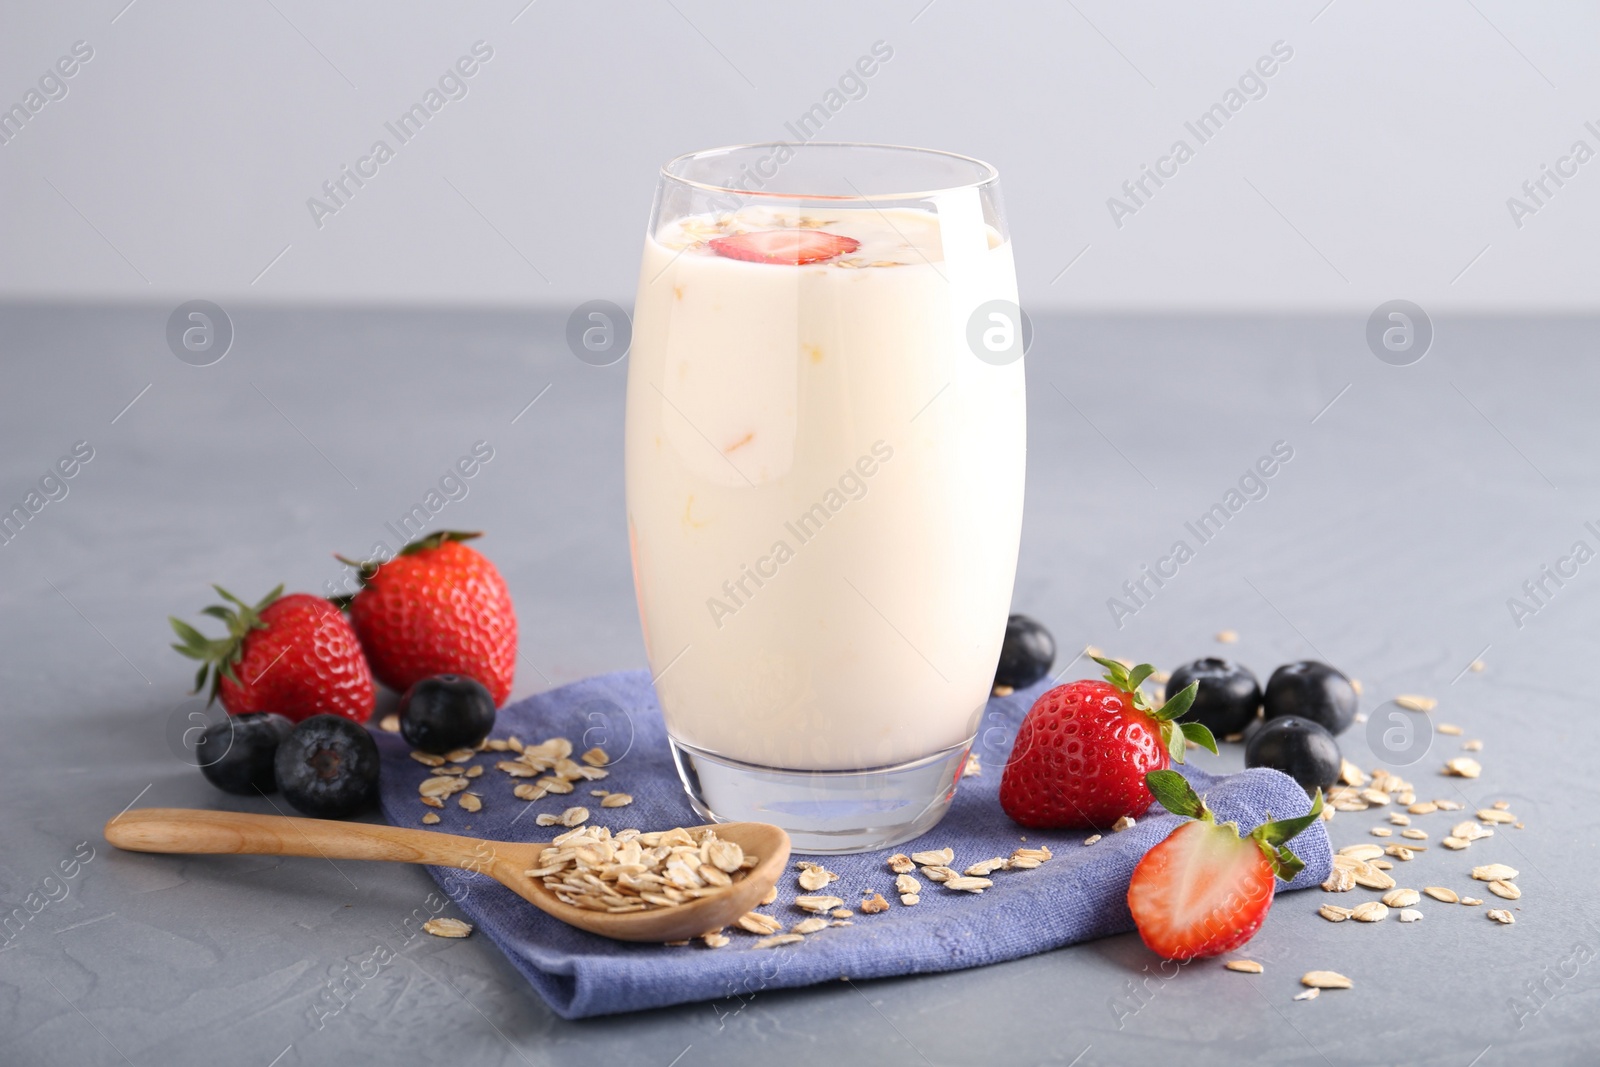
<point x="186" y="830"/>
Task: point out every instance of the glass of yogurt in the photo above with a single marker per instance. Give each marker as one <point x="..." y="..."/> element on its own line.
<point x="825" y="451"/>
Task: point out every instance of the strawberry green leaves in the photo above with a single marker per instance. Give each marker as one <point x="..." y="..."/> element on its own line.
<point x="1273" y="837"/>
<point x="1173" y="792"/>
<point x="218" y="655"/>
<point x="1174" y="735"/>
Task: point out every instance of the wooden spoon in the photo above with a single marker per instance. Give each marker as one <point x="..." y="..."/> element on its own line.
<point x="183" y="830"/>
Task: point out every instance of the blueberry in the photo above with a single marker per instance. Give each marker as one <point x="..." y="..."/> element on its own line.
<point x="1228" y="699"/>
<point x="1311" y="690"/>
<point x="328" y="767"/>
<point x="1300" y="748"/>
<point x="446" y="712"/>
<point x="1027" y="653"/>
<point x="236" y="754"/>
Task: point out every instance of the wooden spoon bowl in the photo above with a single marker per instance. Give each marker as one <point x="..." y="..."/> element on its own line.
<point x="188" y="831"/>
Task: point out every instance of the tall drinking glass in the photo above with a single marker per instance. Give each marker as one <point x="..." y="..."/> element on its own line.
<point x="825" y="451"/>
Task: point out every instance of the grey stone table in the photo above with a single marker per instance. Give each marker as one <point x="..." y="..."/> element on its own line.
<point x="1395" y="542"/>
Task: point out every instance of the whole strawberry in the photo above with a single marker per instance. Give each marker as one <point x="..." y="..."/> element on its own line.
<point x="1205" y="890"/>
<point x="1084" y="748"/>
<point x="295" y="655"/>
<point x="439" y="607"/>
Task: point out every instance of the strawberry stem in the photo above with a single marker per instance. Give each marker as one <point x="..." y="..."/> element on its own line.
<point x="366" y="569"/>
<point x="218" y="655"/>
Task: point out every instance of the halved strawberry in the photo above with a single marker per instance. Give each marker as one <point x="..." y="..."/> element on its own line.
<point x="1205" y="890"/>
<point x="793" y="247"/>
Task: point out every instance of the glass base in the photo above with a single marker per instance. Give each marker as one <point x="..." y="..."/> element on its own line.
<point x="825" y="811"/>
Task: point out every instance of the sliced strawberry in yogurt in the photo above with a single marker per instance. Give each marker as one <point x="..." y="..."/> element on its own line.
<point x="793" y="247"/>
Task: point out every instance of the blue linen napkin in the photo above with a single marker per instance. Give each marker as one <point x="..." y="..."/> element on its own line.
<point x="1078" y="895"/>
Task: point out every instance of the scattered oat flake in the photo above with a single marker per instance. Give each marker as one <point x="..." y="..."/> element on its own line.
<point x="715" y="940"/>
<point x="1463" y="767"/>
<point x="779" y="939"/>
<point x="1355" y="683"/>
<point x="1333" y="913"/>
<point x="1325" y="980"/>
<point x="770" y="896"/>
<point x="1396" y="819"/>
<point x="447" y="927"/>
<point x="1373" y="877"/>
<point x="596" y="757"/>
<point x="1423" y="807"/>
<point x="1370" y="912"/>
<point x="1309" y="994"/>
<point x="1441" y="893"/>
<point x="1385" y="865"/>
<point x="1127" y="822"/>
<point x="432" y="802"/>
<point x="1508" y="890"/>
<point x="1497" y="815"/>
<point x="1472" y="746"/>
<point x="841" y="913"/>
<point x="428" y="759"/>
<point x="544" y="818"/>
<point x="809" y="926"/>
<point x="1401" y="898"/>
<point x="460" y="755"/>
<point x="874" y="904"/>
<point x="1410" y="915"/>
<point x="1002" y="691"/>
<point x="1412" y="833"/>
<point x="973" y="767"/>
<point x="1361" y="852"/>
<point x="1340" y="880"/>
<point x="1091" y="839"/>
<point x="429" y="818"/>
<point x="1501" y="916"/>
<point x="814" y="877"/>
<point x="475" y="770"/>
<point x="390" y="723"/>
<point x="1494" y="872"/>
<point x="1381" y="831"/>
<point x="1352" y="775"/>
<point x="1243" y="966"/>
<point x="906" y="884"/>
<point x="968" y="884"/>
<point x="1471" y="902"/>
<point x="1412" y="702"/>
<point x="616" y="800"/>
<point x="1227" y="637"/>
<point x="756" y="923"/>
<point x="820" y="902"/>
<point x="1456" y="843"/>
<point x="1449" y="729"/>
<point x="900" y="863"/>
<point x="986" y="867"/>
<point x="470" y="802"/>
<point x="942" y="857"/>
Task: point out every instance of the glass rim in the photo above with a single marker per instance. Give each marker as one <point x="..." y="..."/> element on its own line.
<point x="988" y="175"/>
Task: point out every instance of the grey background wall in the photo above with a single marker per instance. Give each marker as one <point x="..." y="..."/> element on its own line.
<point x="1375" y="162"/>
